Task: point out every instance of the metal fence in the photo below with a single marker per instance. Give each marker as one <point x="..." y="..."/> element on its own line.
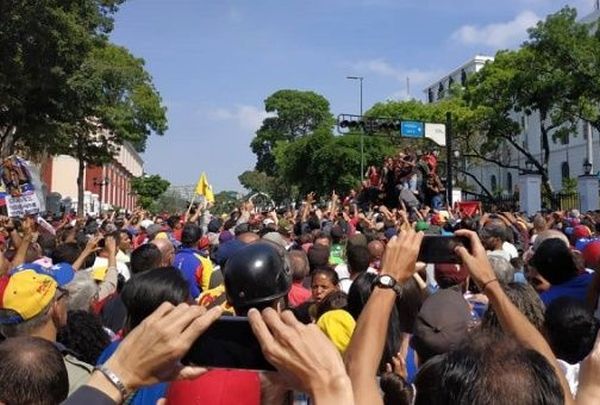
<point x="558" y="201"/>
<point x="495" y="203"/>
<point x="561" y="201"/>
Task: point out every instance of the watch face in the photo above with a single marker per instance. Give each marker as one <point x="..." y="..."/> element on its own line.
<point x="386" y="280"/>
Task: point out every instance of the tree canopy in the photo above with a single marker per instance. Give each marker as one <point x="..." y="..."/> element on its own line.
<point x="296" y="114"/>
<point x="149" y="189"/>
<point x="554" y="75"/>
<point x="65" y="89"/>
<point x="42" y="45"/>
<point x="321" y="162"/>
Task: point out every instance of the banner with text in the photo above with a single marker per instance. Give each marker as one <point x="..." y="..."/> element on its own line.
<point x="17" y="188"/>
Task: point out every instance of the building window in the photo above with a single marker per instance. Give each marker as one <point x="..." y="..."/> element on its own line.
<point x="430" y="95"/>
<point x="463" y="78"/>
<point x="493" y="182"/>
<point x="524" y="128"/>
<point x="450" y="82"/>
<point x="564" y="170"/>
<point x="509" y="182"/>
<point x="440" y="91"/>
<point x="524" y="123"/>
<point x="564" y="140"/>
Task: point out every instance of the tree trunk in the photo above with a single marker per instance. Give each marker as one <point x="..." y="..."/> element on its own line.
<point x="7" y="145"/>
<point x="80" y="185"/>
<point x="476" y="180"/>
<point x="541" y="168"/>
<point x="546" y="153"/>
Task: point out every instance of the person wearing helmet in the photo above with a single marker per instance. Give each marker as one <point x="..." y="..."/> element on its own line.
<point x="258" y="276"/>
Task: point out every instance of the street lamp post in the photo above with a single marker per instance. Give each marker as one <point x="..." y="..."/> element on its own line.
<point x="587" y="168"/>
<point x="362" y="141"/>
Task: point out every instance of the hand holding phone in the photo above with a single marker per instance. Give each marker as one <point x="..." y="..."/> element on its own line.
<point x="228" y="343"/>
<point x="441" y="249"/>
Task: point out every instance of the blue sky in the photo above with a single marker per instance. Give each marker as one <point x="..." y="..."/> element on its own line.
<point x="215" y="61"/>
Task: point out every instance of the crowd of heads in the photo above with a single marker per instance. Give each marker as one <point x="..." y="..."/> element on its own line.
<point x="68" y="298"/>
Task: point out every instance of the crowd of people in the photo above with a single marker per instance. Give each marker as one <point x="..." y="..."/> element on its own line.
<point x="104" y="310"/>
<point x="410" y="176"/>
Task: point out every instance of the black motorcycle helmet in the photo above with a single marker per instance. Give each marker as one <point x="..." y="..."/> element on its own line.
<point x="257" y="275"/>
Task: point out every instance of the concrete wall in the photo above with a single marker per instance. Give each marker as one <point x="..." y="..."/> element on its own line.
<point x="64" y="176"/>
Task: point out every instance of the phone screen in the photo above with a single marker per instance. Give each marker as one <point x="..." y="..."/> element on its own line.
<point x="228" y="343"/>
<point x="440" y="249"/>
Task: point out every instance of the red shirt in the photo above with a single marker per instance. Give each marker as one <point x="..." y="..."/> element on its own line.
<point x="374" y="179"/>
<point x="217" y="387"/>
<point x="298" y="295"/>
<point x="177" y="234"/>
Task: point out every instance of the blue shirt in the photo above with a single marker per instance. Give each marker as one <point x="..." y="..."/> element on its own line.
<point x="188" y="264"/>
<point x="411" y="365"/>
<point x="574" y="288"/>
<point x="146" y="395"/>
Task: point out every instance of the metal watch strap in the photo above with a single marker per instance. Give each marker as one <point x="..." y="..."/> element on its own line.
<point x="114" y="379"/>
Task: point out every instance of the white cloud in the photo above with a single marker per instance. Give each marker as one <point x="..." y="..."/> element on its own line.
<point x="247" y="117"/>
<point x="497" y="35"/>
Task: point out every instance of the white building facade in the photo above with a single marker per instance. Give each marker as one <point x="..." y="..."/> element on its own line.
<point x="566" y="159"/>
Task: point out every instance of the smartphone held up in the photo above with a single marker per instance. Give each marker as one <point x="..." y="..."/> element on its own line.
<point x="228" y="343"/>
<point x="442" y="249"/>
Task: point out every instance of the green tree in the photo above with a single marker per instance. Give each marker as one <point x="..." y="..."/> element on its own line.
<point x="538" y="79"/>
<point x="321" y="161"/>
<point x="42" y="44"/>
<point x="259" y="182"/>
<point x="149" y="189"/>
<point x="113" y="101"/>
<point x="296" y="114"/>
<point x="225" y="202"/>
<point x="65" y="89"/>
<point x="170" y="201"/>
<point x="569" y="185"/>
<point x="574" y="49"/>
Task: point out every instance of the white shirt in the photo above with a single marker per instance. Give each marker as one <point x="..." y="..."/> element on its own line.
<point x="511" y="250"/>
<point x="500" y="253"/>
<point x="121" y="267"/>
<point x="344" y="276"/>
<point x="571" y="372"/>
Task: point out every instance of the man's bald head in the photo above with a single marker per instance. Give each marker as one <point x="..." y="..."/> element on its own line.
<point x="549" y="234"/>
<point x="247" y="237"/>
<point x="167" y="251"/>
<point x="376" y="249"/>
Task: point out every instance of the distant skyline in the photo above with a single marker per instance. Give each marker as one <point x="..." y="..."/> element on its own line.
<point x="214" y="62"/>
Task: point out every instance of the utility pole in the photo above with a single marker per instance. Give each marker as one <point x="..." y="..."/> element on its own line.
<point x="590" y="141"/>
<point x="449" y="156"/>
<point x="362" y="136"/>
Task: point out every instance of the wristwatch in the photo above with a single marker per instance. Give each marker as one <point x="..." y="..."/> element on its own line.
<point x="385" y="281"/>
